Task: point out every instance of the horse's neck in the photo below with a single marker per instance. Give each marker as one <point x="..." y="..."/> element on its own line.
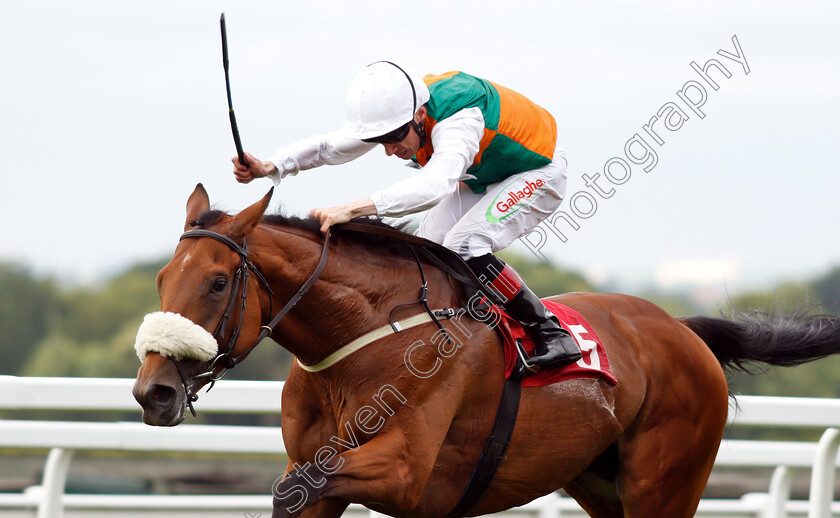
<point x="354" y="295"/>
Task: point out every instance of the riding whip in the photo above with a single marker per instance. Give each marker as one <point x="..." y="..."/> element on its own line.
<point x="233" y="126"/>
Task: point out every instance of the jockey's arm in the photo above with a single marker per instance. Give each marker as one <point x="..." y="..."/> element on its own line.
<point x="343" y="213"/>
<point x="329" y="149"/>
<point x="456" y="142"/>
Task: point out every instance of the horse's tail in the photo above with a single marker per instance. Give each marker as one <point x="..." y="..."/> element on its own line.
<point x="783" y="341"/>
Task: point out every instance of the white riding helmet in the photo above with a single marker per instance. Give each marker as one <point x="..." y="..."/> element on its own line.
<point x="382" y="97"/>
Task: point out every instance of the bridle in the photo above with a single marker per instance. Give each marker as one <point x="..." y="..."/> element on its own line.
<point x="226" y="360"/>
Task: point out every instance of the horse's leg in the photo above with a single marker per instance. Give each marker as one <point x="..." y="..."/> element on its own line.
<point x="667" y="455"/>
<point x="658" y="479"/>
<point x="595" y="502"/>
<point x="324" y="509"/>
<point x="330" y="508"/>
<point x="671" y="402"/>
<point x="391" y="468"/>
<point x="596" y="489"/>
<point x="658" y="476"/>
<point x="305" y="430"/>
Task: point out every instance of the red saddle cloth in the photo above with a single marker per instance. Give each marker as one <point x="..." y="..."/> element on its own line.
<point x="594" y="363"/>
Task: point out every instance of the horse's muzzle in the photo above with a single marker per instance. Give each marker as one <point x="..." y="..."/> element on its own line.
<point x="164" y="402"/>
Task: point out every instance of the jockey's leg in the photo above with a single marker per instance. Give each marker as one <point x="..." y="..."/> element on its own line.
<point x="506" y="211"/>
<point x="555" y="347"/>
<point x="447" y="213"/>
<point x="475" y="224"/>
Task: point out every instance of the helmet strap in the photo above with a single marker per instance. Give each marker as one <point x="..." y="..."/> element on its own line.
<point x="420" y="128"/>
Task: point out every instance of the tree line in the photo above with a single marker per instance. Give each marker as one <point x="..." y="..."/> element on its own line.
<point x="50" y="330"/>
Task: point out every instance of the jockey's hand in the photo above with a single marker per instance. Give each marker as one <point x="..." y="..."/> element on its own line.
<point x="256" y="168"/>
<point x="342" y="214"/>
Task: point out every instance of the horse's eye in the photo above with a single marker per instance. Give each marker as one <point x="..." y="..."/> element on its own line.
<point x="218" y="286"/>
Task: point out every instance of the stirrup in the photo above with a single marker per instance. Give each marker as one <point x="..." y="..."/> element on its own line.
<point x="523" y="367"/>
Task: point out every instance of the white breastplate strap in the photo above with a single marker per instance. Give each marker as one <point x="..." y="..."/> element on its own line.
<point x="366" y="339"/>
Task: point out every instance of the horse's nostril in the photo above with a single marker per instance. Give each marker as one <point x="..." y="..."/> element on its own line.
<point x="162" y="394"/>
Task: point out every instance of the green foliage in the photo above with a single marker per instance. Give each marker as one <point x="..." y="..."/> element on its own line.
<point x="48" y="331"/>
<point x="28" y="310"/>
<point x="544" y="278"/>
<point x="676" y="305"/>
<point x="815" y="379"/>
<point x="80" y="332"/>
<point x="827" y="289"/>
<point x="60" y="355"/>
<point x="90" y="315"/>
<point x="90" y="332"/>
<point x="785" y="299"/>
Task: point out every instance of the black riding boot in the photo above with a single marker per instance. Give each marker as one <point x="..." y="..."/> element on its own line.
<point x="555" y="347"/>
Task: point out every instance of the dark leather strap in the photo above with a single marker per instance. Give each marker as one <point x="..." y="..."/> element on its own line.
<point x="322" y="263"/>
<point x="233" y="245"/>
<point x="447" y="260"/>
<point x="221" y="238"/>
<point x="497" y="443"/>
<point x="494" y="450"/>
<point x="244" y="268"/>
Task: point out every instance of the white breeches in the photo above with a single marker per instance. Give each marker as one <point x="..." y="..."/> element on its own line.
<point x="477" y="224"/>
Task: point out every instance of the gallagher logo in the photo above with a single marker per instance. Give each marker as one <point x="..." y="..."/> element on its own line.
<point x="511" y="199"/>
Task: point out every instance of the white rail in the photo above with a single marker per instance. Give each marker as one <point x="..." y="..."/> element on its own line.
<point x="63" y="438"/>
<point x="31" y="393"/>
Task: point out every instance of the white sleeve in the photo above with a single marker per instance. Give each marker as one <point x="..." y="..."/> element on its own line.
<point x="329" y="149"/>
<point x="456" y="141"/>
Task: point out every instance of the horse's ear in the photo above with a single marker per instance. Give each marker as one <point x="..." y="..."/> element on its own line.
<point x="245" y="221"/>
<point x="198" y="204"/>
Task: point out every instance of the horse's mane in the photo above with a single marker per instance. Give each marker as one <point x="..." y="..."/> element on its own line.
<point x="373" y="241"/>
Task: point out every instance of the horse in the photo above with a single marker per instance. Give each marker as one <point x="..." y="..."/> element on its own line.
<point x="368" y="429"/>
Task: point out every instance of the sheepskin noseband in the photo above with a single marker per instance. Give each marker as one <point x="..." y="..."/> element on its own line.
<point x="174" y="336"/>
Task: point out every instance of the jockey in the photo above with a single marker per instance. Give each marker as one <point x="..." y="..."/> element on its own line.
<point x="490" y="171"/>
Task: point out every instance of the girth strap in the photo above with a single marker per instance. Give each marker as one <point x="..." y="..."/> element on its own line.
<point x="494" y="449"/>
<point x="497" y="443"/>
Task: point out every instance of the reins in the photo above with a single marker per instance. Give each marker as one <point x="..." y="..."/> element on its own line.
<point x="444" y="258"/>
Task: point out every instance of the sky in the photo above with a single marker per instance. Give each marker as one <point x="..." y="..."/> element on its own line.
<point x="112" y="112"/>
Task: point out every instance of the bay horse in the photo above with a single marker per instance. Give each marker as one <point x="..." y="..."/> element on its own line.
<point x="369" y="430"/>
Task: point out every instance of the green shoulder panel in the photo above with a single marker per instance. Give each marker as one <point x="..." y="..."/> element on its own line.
<point x="502" y="158"/>
<point x="462" y="91"/>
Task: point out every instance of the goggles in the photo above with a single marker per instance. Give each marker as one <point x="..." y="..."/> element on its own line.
<point x="392" y="137"/>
